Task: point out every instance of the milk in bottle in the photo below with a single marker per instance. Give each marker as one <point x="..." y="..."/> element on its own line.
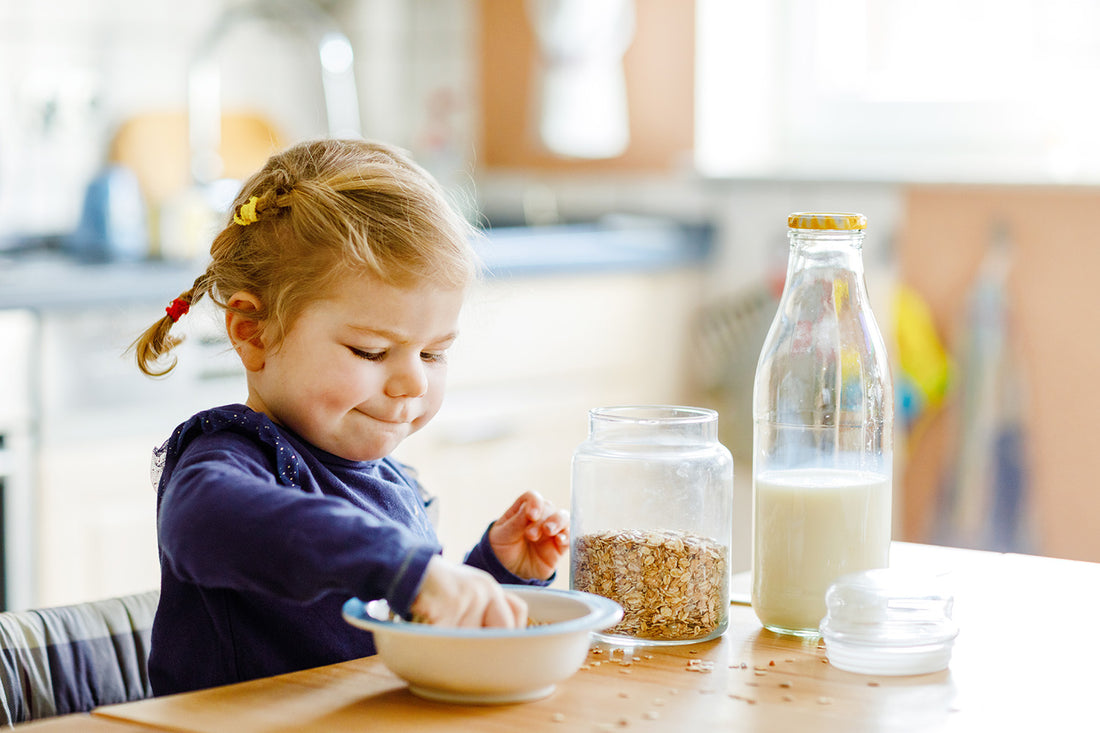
<point x="823" y="429"/>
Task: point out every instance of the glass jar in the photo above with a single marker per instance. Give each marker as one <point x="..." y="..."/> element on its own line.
<point x="823" y="429"/>
<point x="652" y="517"/>
<point x="889" y="622"/>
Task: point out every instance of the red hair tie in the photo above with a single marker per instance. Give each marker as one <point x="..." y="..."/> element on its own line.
<point x="178" y="308"/>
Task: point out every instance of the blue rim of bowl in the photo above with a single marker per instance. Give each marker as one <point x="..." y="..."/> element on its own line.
<point x="602" y="613"/>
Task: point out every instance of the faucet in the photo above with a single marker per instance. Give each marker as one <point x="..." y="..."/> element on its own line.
<point x="301" y="17"/>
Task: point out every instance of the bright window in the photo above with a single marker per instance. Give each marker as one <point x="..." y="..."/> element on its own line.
<point x="984" y="90"/>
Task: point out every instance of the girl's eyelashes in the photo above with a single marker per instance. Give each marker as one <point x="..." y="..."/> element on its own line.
<point x="368" y="355"/>
<point x="432" y="357"/>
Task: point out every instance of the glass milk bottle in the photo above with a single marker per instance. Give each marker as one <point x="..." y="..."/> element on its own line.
<point x="652" y="518"/>
<point x="823" y="429"/>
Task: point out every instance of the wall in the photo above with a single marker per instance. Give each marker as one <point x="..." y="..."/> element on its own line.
<point x="1051" y="298"/>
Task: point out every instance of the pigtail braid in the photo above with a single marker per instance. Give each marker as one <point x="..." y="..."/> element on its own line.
<point x="157" y="341"/>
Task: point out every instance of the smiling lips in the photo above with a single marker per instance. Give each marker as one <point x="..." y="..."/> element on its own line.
<point x="390" y="420"/>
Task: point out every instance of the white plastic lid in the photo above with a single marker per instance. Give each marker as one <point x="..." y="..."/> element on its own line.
<point x="889" y="622"/>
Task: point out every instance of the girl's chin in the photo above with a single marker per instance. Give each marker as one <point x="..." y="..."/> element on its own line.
<point x="359" y="444"/>
<point x="372" y="448"/>
<point x="360" y="454"/>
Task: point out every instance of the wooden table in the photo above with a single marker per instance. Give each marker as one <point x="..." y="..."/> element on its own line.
<point x="1027" y="655"/>
<point x="83" y="723"/>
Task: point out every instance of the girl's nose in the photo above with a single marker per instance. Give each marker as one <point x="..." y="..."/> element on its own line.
<point x="408" y="380"/>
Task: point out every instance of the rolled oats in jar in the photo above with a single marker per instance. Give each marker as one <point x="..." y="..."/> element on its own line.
<point x="651" y="521"/>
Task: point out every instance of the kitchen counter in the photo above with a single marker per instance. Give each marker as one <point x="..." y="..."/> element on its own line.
<point x="47" y="281"/>
<point x="41" y="280"/>
<point x="1024" y="659"/>
<point x="572" y="248"/>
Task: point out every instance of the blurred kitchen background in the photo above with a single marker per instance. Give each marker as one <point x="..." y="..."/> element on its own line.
<point x="633" y="163"/>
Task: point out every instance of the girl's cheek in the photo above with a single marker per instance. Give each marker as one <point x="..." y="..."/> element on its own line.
<point x="435" y="401"/>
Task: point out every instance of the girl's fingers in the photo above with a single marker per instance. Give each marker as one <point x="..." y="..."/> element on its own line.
<point x="505" y="610"/>
<point x="552" y="526"/>
<point x="519" y="609"/>
<point x="514" y="510"/>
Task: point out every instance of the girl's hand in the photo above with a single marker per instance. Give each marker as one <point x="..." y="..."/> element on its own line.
<point x="459" y="595"/>
<point x="530" y="538"/>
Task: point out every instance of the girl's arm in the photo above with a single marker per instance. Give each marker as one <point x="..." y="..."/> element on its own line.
<point x="223" y="522"/>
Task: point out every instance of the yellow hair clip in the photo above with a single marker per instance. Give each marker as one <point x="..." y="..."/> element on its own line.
<point x="248" y="213"/>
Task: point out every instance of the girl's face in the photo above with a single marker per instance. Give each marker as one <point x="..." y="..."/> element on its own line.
<point x="362" y="370"/>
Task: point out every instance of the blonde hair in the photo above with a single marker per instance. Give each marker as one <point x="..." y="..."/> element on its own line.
<point x="324" y="209"/>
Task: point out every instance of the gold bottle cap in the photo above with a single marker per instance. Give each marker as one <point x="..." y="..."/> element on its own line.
<point x="826" y="220"/>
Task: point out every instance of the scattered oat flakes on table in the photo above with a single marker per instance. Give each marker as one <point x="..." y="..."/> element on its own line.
<point x="699" y="665"/>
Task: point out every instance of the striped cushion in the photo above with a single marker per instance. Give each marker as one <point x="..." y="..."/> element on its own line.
<point x="71" y="659"/>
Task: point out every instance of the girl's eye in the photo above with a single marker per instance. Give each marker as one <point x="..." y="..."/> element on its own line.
<point x="433" y="356"/>
<point x="368" y="355"/>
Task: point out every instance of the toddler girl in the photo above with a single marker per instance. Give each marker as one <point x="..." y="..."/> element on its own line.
<point x="341" y="274"/>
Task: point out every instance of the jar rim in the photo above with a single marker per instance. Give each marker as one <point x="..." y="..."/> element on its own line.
<point x="673" y="414"/>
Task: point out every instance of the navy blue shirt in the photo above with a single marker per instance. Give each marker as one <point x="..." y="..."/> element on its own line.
<point x="263" y="537"/>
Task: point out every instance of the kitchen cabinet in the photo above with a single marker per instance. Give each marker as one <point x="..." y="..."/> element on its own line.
<point x="97" y="534"/>
<point x="533" y="355"/>
<point x="17" y="328"/>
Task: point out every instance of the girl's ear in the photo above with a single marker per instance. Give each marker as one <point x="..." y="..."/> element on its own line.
<point x="244" y="329"/>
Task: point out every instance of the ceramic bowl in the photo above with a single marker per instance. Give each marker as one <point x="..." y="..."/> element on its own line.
<point x="490" y="666"/>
